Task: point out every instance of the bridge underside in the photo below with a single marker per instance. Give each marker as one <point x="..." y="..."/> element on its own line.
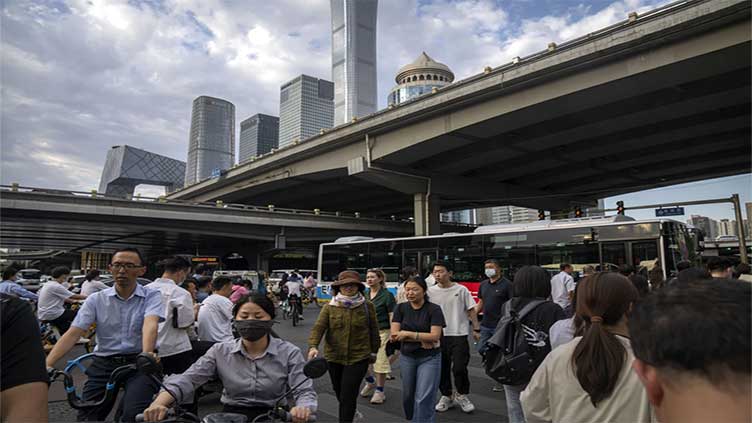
<point x="683" y="122"/>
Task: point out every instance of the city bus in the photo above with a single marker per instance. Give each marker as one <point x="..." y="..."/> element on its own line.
<point x="603" y="242"/>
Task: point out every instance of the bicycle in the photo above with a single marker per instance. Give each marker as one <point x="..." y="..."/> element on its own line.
<point x="114" y="384"/>
<point x="295" y="310"/>
<point x="50" y="334"/>
<point x="313" y="369"/>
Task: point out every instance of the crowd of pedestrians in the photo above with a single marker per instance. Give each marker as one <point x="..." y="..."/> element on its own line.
<point x="611" y="347"/>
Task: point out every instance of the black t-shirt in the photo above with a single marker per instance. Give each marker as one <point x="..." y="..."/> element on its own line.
<point x="420" y="320"/>
<point x="22" y="357"/>
<point x="494" y="295"/>
<point x="537" y="324"/>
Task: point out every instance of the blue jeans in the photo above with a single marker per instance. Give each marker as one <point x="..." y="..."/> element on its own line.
<point x="420" y="381"/>
<point x="485" y="334"/>
<point x="514" y="406"/>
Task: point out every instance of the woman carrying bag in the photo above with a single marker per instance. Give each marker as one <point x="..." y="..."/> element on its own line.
<point x="349" y="326"/>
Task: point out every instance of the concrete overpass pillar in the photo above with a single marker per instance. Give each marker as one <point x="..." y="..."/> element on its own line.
<point x="426" y="210"/>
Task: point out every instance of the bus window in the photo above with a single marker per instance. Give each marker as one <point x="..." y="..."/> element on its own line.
<point x="645" y="256"/>
<point x="465" y="255"/>
<point x="578" y="255"/>
<point x="386" y="256"/>
<point x="422" y="260"/>
<point x="510" y="250"/>
<point x="613" y="255"/>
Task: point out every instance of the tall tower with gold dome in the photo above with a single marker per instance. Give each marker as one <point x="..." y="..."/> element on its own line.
<point x="418" y="78"/>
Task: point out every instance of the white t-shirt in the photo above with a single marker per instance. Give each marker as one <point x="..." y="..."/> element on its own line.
<point x="561" y="332"/>
<point x="561" y="285"/>
<point x="293" y="288"/>
<point x="172" y="340"/>
<point x="454" y="301"/>
<point x="215" y="319"/>
<point x="52" y="296"/>
<point x="90" y="287"/>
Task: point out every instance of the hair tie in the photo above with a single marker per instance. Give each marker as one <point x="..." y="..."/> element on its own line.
<point x="596" y="319"/>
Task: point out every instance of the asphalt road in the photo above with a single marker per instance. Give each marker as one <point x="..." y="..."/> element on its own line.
<point x="490" y="406"/>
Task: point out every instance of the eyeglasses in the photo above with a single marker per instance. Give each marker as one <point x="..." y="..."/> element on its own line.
<point x="126" y="266"/>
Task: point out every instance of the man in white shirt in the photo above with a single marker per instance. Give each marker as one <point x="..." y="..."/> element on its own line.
<point x="175" y="351"/>
<point x="92" y="283"/>
<point x="215" y="314"/>
<point x="52" y="299"/>
<point x="458" y="307"/>
<point x="293" y="295"/>
<point x="562" y="288"/>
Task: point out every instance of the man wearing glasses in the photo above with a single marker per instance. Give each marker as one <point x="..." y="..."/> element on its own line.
<point x="127" y="316"/>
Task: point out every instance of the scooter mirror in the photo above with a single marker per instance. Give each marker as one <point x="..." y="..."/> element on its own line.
<point x="147" y="365"/>
<point x="316" y="368"/>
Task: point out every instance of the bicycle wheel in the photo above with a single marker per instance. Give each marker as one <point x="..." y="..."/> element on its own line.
<point x="285" y="310"/>
<point x="294" y="316"/>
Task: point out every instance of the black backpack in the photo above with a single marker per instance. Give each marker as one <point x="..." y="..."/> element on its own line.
<point x="508" y="359"/>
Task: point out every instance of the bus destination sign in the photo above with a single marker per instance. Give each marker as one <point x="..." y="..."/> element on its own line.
<point x="669" y="211"/>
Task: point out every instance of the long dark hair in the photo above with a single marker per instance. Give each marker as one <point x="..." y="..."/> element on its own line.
<point x="598" y="359"/>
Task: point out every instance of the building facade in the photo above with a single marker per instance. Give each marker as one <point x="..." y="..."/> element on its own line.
<point x="211" y="145"/>
<point x="418" y="78"/>
<point x="127" y="167"/>
<point x="459" y="216"/>
<point x="259" y="134"/>
<point x="354" y="58"/>
<point x="306" y="106"/>
<point x="708" y="226"/>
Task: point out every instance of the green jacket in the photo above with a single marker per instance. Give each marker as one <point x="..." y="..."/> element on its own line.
<point x="346" y="333"/>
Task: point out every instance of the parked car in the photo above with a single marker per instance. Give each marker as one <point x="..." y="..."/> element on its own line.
<point x="30" y="279"/>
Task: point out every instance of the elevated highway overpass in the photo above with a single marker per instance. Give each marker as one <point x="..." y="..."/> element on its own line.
<point x="41" y="219"/>
<point x="658" y="99"/>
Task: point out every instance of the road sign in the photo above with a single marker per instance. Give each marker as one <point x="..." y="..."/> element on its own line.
<point x="669" y="211"/>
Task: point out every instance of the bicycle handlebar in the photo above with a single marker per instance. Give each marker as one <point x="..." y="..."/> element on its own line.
<point x="111" y="389"/>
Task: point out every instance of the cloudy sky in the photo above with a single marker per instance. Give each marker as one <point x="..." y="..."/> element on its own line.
<point x="80" y="76"/>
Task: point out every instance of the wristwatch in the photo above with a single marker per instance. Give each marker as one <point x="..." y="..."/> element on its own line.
<point x="476" y="330"/>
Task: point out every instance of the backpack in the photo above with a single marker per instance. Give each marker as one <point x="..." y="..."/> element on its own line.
<point x="507" y="359"/>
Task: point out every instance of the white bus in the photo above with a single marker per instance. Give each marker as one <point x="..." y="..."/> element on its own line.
<point x="604" y="242"/>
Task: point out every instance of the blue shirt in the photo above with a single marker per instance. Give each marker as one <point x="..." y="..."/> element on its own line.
<point x="14" y="288"/>
<point x="119" y="321"/>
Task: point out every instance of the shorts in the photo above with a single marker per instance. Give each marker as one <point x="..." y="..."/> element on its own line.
<point x="382" y="361"/>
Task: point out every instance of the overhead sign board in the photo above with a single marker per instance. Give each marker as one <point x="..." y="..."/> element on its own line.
<point x="669" y="211"/>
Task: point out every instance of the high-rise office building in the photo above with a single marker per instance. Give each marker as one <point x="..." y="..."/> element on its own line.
<point x="306" y="106"/>
<point x="458" y="216"/>
<point x="506" y="214"/>
<point x="354" y="58"/>
<point x="418" y="78"/>
<point x="708" y="226"/>
<point x="211" y="146"/>
<point x="258" y="135"/>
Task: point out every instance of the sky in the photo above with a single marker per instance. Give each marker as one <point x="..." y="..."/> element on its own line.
<point x="80" y="76"/>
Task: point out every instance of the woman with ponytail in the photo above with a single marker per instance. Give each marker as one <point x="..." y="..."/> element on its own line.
<point x="590" y="379"/>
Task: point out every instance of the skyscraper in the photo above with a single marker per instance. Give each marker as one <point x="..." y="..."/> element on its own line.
<point x="258" y="135"/>
<point x="306" y="106"/>
<point x="211" y="146"/>
<point x="354" y="58"/>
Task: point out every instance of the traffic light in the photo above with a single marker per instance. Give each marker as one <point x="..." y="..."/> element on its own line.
<point x="620" y="207"/>
<point x="541" y="215"/>
<point x="577" y="212"/>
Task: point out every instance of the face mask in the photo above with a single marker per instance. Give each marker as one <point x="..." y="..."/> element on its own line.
<point x="253" y="330"/>
<point x="490" y="273"/>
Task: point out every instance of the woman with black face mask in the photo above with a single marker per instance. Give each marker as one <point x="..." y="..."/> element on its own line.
<point x="255" y="369"/>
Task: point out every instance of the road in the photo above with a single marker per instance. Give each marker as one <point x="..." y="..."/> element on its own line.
<point x="490" y="406"/>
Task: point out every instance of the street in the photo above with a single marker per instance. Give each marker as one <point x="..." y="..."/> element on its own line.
<point x="490" y="406"/>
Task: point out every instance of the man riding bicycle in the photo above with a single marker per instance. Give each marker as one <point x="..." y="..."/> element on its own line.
<point x="127" y="316"/>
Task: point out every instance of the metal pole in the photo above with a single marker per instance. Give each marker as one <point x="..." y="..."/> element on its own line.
<point x="740" y="228"/>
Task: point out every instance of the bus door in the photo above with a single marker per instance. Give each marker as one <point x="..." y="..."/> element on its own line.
<point x="420" y="259"/>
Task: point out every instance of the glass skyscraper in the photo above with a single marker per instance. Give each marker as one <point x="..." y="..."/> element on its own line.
<point x="258" y="135"/>
<point x="211" y="147"/>
<point x="354" y="58"/>
<point x="306" y="106"/>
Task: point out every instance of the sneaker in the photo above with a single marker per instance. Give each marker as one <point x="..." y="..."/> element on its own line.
<point x="445" y="403"/>
<point x="378" y="397"/>
<point x="367" y="390"/>
<point x="464" y="403"/>
<point x="498" y="388"/>
<point x="389" y="376"/>
<point x="358" y="417"/>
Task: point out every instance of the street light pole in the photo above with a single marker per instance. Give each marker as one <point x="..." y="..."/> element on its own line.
<point x="740" y="229"/>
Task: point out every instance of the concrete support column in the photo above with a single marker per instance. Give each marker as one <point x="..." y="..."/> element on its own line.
<point x="426" y="210"/>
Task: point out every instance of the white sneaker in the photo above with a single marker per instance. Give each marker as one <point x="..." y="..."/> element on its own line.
<point x="378" y="397"/>
<point x="367" y="390"/>
<point x="445" y="403"/>
<point x="358" y="417"/>
<point x="464" y="403"/>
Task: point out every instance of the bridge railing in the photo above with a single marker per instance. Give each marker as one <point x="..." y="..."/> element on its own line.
<point x="218" y="204"/>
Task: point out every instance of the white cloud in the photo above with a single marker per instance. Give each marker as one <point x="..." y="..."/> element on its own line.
<point x="84" y="75"/>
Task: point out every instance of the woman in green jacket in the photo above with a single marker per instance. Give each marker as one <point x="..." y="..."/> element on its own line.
<point x="349" y="325"/>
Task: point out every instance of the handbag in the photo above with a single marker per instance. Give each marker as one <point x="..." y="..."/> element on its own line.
<point x="372" y="356"/>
